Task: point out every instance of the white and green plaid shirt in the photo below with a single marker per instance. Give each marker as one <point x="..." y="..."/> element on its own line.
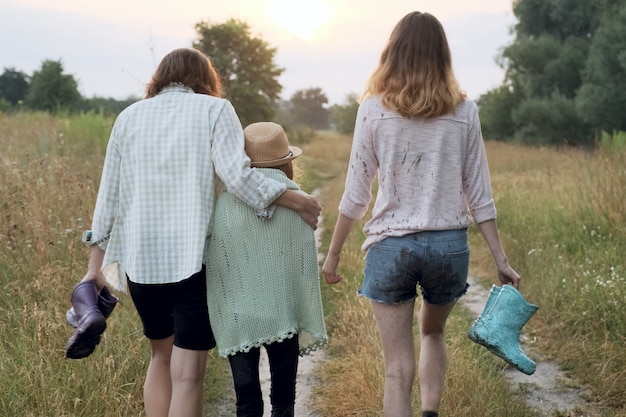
<point x="157" y="191"/>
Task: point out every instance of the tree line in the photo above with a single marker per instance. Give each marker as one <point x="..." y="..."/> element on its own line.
<point x="50" y="89"/>
<point x="245" y="62"/>
<point x="565" y="78"/>
<point x="565" y="74"/>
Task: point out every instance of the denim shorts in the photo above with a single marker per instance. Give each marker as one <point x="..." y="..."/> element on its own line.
<point x="178" y="309"/>
<point x="437" y="261"/>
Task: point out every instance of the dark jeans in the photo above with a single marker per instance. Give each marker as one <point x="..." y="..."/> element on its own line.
<point x="283" y="360"/>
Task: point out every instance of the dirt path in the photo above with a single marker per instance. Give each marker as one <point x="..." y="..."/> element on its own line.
<point x="549" y="390"/>
<point x="304" y="386"/>
<point x="305" y="383"/>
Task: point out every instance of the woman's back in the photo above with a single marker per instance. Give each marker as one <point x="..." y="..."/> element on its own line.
<point x="262" y="277"/>
<point x="426" y="168"/>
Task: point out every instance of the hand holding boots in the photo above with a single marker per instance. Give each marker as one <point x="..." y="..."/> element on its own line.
<point x="88" y="316"/>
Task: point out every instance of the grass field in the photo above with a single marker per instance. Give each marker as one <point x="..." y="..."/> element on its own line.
<point x="562" y="221"/>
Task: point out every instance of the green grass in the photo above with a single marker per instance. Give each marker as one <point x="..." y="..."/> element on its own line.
<point x="50" y="170"/>
<point x="560" y="213"/>
<point x="565" y="231"/>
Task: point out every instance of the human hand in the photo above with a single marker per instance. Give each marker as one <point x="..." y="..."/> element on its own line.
<point x="310" y="210"/>
<point x="95" y="276"/>
<point x="507" y="275"/>
<point x="305" y="205"/>
<point x="329" y="269"/>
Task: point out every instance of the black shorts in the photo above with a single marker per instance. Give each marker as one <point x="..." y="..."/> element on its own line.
<point x="178" y="309"/>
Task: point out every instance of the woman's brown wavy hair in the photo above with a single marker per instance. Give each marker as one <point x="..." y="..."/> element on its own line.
<point x="414" y="76"/>
<point x="188" y="67"/>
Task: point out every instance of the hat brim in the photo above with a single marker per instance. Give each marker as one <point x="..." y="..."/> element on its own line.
<point x="295" y="152"/>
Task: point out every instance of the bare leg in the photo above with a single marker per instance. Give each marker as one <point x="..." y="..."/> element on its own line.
<point x="157" y="390"/>
<point x="433" y="353"/>
<point x="395" y="326"/>
<point x="187" y="370"/>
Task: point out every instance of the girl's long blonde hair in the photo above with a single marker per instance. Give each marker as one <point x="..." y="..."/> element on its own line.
<point x="414" y="76"/>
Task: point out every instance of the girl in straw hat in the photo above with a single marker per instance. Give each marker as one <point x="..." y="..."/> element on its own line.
<point x="263" y="282"/>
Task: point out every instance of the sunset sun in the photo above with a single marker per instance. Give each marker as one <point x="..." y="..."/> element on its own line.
<point x="302" y="19"/>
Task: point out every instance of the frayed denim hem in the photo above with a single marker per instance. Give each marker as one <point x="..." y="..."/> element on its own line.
<point x="360" y="294"/>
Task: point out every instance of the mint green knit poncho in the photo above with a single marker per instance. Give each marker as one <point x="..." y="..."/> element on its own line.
<point x="263" y="280"/>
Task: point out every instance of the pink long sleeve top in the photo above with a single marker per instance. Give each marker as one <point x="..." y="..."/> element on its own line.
<point x="432" y="173"/>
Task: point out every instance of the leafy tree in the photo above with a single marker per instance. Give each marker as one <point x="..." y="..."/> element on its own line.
<point x="528" y="59"/>
<point x="52" y="90"/>
<point x="246" y="65"/>
<point x="496" y="112"/>
<point x="544" y="65"/>
<point x="307" y="108"/>
<point x="5" y="106"/>
<point x="563" y="59"/>
<point x="550" y="121"/>
<point x="602" y="98"/>
<point x="13" y="85"/>
<point x="559" y="18"/>
<point x="343" y="116"/>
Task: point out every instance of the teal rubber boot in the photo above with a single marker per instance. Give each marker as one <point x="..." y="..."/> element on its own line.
<point x="493" y="294"/>
<point x="473" y="334"/>
<point x="499" y="328"/>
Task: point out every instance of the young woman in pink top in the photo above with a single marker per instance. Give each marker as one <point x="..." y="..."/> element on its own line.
<point x="419" y="134"/>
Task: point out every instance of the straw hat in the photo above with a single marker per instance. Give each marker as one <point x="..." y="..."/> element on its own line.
<point x="267" y="145"/>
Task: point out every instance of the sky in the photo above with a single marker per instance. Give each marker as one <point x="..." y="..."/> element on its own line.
<point x="112" y="47"/>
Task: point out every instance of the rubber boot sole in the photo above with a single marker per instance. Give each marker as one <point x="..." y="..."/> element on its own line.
<point x="84" y="340"/>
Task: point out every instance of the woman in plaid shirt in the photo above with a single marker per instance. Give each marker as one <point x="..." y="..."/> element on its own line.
<point x="153" y="217"/>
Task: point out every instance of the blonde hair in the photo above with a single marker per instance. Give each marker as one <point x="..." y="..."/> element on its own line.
<point x="291" y="170"/>
<point x="414" y="76"/>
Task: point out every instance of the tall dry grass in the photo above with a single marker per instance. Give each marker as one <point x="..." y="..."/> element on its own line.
<point x="50" y="170"/>
<point x="565" y="224"/>
<point x="562" y="221"/>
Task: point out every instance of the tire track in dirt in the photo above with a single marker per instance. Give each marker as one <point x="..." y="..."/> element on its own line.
<point x="549" y="390"/>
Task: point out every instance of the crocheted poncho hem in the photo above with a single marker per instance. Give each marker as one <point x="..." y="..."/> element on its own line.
<point x="320" y="341"/>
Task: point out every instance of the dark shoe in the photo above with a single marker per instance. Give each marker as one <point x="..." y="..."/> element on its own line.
<point x="91" y="322"/>
<point x="106" y="304"/>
